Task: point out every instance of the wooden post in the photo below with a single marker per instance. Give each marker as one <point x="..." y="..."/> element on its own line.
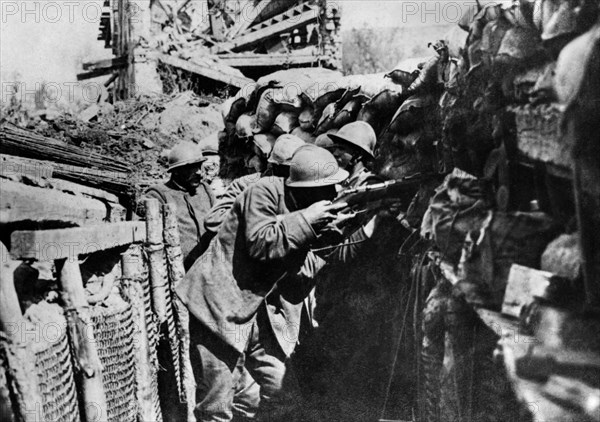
<point x="11" y="317"/>
<point x="83" y="341"/>
<point x="147" y="388"/>
<point x="20" y="359"/>
<point x="176" y="273"/>
<point x="159" y="280"/>
<point x="122" y="47"/>
<point x="587" y="238"/>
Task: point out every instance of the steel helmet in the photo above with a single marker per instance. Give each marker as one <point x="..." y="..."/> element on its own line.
<point x="305" y="120"/>
<point x="286" y="122"/>
<point x="324" y="141"/>
<point x="210" y="144"/>
<point x="360" y="134"/>
<point x="264" y="142"/>
<point x="313" y="166"/>
<point x="183" y="154"/>
<point x="283" y="150"/>
<point x="245" y="125"/>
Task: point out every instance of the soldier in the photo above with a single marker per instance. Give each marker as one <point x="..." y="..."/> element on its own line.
<point x="353" y="147"/>
<point x="190" y="194"/>
<point x="211" y="167"/>
<point x="245" y="294"/>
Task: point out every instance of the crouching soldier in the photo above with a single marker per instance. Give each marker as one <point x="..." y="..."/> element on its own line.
<point x="245" y="294"/>
<point x="190" y="194"/>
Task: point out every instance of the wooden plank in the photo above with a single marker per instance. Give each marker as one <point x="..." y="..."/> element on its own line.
<point x="19" y="202"/>
<point x="10" y="311"/>
<point x="45" y="245"/>
<point x="247" y="41"/>
<point x="502" y="325"/>
<point x="523" y="285"/>
<point x="96" y="73"/>
<point x="112" y="63"/>
<point x="211" y="73"/>
<point x="11" y="166"/>
<point x="265" y="60"/>
<point x="245" y="20"/>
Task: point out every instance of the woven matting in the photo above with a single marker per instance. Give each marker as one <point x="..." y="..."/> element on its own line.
<point x="113" y="331"/>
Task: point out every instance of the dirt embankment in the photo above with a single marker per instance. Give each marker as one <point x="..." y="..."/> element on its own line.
<point x="139" y="131"/>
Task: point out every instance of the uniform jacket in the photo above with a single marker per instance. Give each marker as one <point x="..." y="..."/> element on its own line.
<point x="262" y="249"/>
<point x="191" y="211"/>
<point x="217" y="214"/>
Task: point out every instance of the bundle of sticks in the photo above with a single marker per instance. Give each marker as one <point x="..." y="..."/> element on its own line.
<point x="26" y="143"/>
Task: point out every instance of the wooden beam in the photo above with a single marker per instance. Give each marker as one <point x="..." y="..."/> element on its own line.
<point x="19" y="202"/>
<point x="45" y="245"/>
<point x="287" y="25"/>
<point x="207" y="72"/>
<point x="245" y="21"/>
<point x="112" y="63"/>
<point x="265" y="60"/>
<point x="11" y="166"/>
<point x="96" y="73"/>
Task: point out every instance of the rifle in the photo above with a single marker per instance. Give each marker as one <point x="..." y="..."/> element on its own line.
<point x="376" y="196"/>
<point x="364" y="201"/>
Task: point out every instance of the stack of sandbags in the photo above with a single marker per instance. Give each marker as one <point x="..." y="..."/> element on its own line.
<point x="308" y="103"/>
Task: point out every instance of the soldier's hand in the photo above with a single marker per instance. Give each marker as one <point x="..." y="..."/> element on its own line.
<point x="321" y="213"/>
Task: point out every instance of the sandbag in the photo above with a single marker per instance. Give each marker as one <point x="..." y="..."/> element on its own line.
<point x="492" y="36"/>
<point x="311" y="82"/>
<point x="347" y="114"/>
<point x="402" y="77"/>
<point x="326" y="120"/>
<point x="245" y="126"/>
<point x="233" y="107"/>
<point x="371" y="116"/>
<point x="329" y="97"/>
<point x="428" y="76"/>
<point x="386" y="102"/>
<point x="306" y="120"/>
<point x="304" y="135"/>
<point x="285" y="122"/>
<point x="518" y="44"/>
<point x="410" y="114"/>
<point x="349" y="94"/>
<point x="370" y="84"/>
<point x="379" y="110"/>
<point x="271" y="103"/>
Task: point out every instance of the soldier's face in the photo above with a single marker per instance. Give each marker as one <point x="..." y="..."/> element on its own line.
<point x="343" y="155"/>
<point x="189" y="176"/>
<point x="305" y="197"/>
